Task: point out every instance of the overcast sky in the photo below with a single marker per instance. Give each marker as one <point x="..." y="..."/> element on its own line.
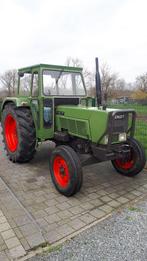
<point x="48" y="31"/>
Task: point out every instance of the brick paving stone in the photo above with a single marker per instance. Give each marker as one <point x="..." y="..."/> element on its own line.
<point x="4" y="227"/>
<point x="65" y="230"/>
<point x="74" y="202"/>
<point x="77" y="210"/>
<point x="1" y="240"/>
<point x="136" y="193"/>
<point x="11" y="222"/>
<point x="63" y="222"/>
<point x="52" y="210"/>
<point x="1" y="214"/>
<point x="3" y="256"/>
<point x="114" y="203"/>
<point x="18" y="233"/>
<point x="65" y="214"/>
<point x="87" y="205"/>
<point x="130" y="196"/>
<point x="25" y="244"/>
<point x="142" y="189"/>
<point x="39" y="214"/>
<point x="51" y="202"/>
<point x="122" y="200"/>
<point x="97" y="213"/>
<point x="122" y="192"/>
<point x="8" y="234"/>
<point x="17" y="252"/>
<point x="114" y="195"/>
<point x="110" y="190"/>
<point x="3" y="247"/>
<point x="63" y="206"/>
<point x="77" y="224"/>
<point x="28" y="229"/>
<point x="12" y="242"/>
<point x="42" y="222"/>
<point x="93" y="195"/>
<point x="35" y="240"/>
<point x="87" y="218"/>
<point x="106" y="199"/>
<point x="22" y="220"/>
<point x="52" y="218"/>
<point x="52" y="236"/>
<point x="50" y="227"/>
<point x="3" y="220"/>
<point x="96" y="202"/>
<point x="102" y="193"/>
<point x="106" y="208"/>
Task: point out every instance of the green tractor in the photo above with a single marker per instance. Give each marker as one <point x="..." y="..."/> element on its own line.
<point x="52" y="104"/>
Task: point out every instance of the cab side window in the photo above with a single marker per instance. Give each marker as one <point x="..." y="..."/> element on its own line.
<point x="25" y="84"/>
<point x="35" y="87"/>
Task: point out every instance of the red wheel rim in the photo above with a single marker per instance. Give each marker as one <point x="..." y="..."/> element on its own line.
<point x="11" y="135"/>
<point x="61" y="171"/>
<point x="126" y="164"/>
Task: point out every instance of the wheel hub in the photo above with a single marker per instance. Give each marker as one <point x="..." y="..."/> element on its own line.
<point x="10" y="131"/>
<point x="61" y="171"/>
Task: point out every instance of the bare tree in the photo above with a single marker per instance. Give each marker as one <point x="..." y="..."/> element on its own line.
<point x="108" y="82"/>
<point x="8" y="81"/>
<point x="112" y="86"/>
<point x="88" y="76"/>
<point x="141" y="82"/>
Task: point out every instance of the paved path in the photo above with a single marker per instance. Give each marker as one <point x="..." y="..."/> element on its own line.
<point x="37" y="213"/>
<point x="123" y="237"/>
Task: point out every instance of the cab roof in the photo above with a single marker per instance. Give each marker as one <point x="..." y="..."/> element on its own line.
<point x="51" y="67"/>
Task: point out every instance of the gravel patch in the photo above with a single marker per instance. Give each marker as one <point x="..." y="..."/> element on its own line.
<point x="120" y="237"/>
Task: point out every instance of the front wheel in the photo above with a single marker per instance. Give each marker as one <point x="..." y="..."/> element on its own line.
<point x="135" y="161"/>
<point x="66" y="170"/>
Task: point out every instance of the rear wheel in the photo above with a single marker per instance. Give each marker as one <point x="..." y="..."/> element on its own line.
<point x="19" y="133"/>
<point x="135" y="161"/>
<point x="66" y="170"/>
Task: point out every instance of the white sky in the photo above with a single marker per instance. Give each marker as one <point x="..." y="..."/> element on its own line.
<point x="48" y="31"/>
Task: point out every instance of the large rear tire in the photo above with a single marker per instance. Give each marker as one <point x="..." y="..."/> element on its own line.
<point x="135" y="162"/>
<point x="66" y="170"/>
<point x="19" y="133"/>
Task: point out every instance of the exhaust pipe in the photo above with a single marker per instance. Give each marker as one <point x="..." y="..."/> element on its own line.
<point x="98" y="84"/>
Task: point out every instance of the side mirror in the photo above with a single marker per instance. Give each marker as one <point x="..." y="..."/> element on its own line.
<point x="21" y="74"/>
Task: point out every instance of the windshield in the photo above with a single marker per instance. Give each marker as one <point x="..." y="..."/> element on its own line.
<point x="63" y="83"/>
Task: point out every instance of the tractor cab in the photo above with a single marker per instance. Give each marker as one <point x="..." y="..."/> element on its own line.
<point x="46" y="87"/>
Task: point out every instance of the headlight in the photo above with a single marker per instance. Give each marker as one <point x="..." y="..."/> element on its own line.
<point x="106" y="139"/>
<point x="122" y="137"/>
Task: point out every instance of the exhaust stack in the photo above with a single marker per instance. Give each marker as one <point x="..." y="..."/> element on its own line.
<point x="98" y="84"/>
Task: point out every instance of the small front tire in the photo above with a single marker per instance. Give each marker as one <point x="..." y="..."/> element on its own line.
<point x="136" y="162"/>
<point x="66" y="170"/>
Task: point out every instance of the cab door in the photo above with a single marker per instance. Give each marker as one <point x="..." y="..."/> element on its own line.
<point x="35" y="103"/>
<point x="42" y="108"/>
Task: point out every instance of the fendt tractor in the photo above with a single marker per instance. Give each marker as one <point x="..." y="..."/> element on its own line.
<point x="52" y="104"/>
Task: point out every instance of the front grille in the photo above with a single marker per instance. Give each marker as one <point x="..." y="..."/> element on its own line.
<point x="120" y="124"/>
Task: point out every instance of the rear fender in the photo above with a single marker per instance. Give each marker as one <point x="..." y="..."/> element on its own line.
<point x="19" y="102"/>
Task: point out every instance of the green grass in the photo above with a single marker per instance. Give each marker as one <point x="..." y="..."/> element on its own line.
<point x="134" y="209"/>
<point x="141" y="109"/>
